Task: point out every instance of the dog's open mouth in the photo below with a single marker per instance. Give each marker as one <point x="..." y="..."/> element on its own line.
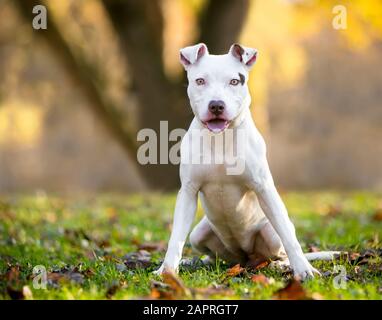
<point x="216" y="125"/>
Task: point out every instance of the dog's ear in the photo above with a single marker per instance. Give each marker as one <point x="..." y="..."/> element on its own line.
<point x="245" y="55"/>
<point x="192" y="54"/>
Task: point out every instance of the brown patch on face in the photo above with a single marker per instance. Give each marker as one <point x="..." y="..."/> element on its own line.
<point x="242" y="79"/>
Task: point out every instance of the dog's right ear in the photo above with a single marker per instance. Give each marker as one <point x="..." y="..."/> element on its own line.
<point x="192" y="54"/>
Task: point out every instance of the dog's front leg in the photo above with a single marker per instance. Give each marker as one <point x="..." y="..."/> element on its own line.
<point x="184" y="215"/>
<point x="276" y="212"/>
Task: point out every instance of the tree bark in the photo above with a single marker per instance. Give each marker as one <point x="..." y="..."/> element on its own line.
<point x="221" y="23"/>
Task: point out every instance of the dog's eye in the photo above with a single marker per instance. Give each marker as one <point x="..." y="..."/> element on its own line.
<point x="234" y="82"/>
<point x="200" y="81"/>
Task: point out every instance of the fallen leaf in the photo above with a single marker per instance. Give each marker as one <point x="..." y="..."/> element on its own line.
<point x="260" y="278"/>
<point x="192" y="264"/>
<point x="356" y="258"/>
<point x="206" y="293"/>
<point x="104" y="243"/>
<point x="378" y="214"/>
<point x="13" y="275"/>
<point x="138" y="260"/>
<point x="262" y="265"/>
<point x="153" y="246"/>
<point x="85" y="271"/>
<point x="112" y="289"/>
<point x="313" y="249"/>
<point x="160" y="290"/>
<point x="13" y="282"/>
<point x="293" y="291"/>
<point x="257" y="262"/>
<point x="235" y="271"/>
<point x="171" y="288"/>
<point x="58" y="277"/>
<point x="334" y="210"/>
<point x="175" y="284"/>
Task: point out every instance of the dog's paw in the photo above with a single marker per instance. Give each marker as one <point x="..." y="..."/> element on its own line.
<point x="165" y="269"/>
<point x="159" y="271"/>
<point x="303" y="270"/>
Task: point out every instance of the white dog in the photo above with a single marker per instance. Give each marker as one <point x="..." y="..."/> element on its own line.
<point x="245" y="218"/>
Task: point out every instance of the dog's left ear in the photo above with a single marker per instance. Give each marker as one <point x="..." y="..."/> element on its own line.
<point x="192" y="54"/>
<point x="245" y="55"/>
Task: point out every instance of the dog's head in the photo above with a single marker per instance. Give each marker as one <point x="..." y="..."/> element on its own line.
<point x="217" y="84"/>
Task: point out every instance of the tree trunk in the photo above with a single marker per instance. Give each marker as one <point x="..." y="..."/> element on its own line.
<point x="221" y="23"/>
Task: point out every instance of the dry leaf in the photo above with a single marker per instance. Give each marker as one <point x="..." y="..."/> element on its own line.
<point x="357" y="258"/>
<point x="377" y="215"/>
<point x="206" y="293"/>
<point x="138" y="260"/>
<point x="175" y="284"/>
<point x="13" y="282"/>
<point x="13" y="274"/>
<point x="171" y="288"/>
<point x="262" y="265"/>
<point x="57" y="277"/>
<point x="293" y="291"/>
<point x="161" y="294"/>
<point x="152" y="246"/>
<point x="112" y="289"/>
<point x="313" y="249"/>
<point x="257" y="262"/>
<point x="260" y="278"/>
<point x="334" y="210"/>
<point x="235" y="271"/>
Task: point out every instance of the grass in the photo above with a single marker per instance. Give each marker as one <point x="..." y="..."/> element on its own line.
<point x="82" y="243"/>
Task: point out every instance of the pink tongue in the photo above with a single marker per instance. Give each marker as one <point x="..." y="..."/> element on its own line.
<point x="216" y="125"/>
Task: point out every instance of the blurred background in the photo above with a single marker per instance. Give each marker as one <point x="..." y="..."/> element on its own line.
<point x="73" y="97"/>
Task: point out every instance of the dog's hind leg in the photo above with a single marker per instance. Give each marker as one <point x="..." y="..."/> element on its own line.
<point x="205" y="241"/>
<point x="268" y="243"/>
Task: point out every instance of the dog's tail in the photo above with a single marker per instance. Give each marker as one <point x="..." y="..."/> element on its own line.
<point x="323" y="255"/>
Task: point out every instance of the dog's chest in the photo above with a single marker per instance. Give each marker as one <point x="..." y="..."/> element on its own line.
<point x="231" y="207"/>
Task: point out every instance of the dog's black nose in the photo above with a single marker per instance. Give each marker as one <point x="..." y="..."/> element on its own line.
<point x="216" y="107"/>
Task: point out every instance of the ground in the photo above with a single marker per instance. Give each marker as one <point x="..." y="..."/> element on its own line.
<point x="106" y="247"/>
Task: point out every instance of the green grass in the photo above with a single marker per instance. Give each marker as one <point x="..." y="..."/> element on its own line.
<point x="93" y="234"/>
